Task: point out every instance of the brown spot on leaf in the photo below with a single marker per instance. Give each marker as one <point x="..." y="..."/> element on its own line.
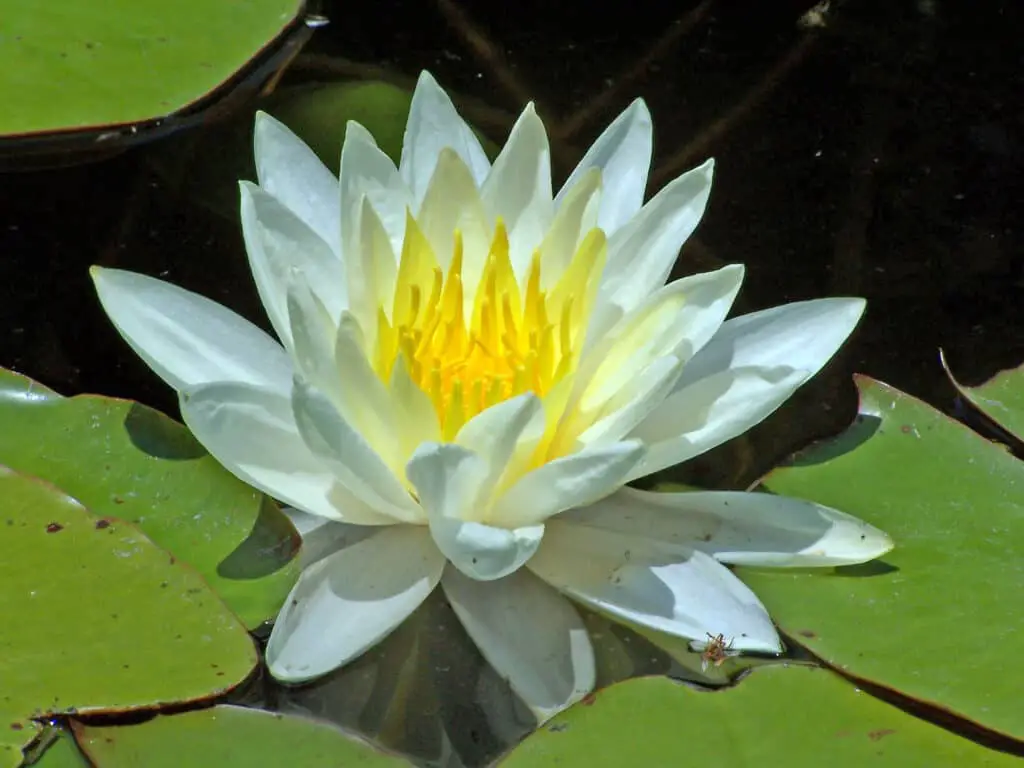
<point x="589" y="699"/>
<point x="881" y="733"/>
<point x="54" y="528"/>
<point x="17" y="727"/>
<point x="806" y="633"/>
<point x="101" y="524"/>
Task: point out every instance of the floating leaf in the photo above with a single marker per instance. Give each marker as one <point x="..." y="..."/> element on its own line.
<point x="69" y="64"/>
<point x="98" y="618"/>
<point x="1001" y="398"/>
<point x="58" y="750"/>
<point x="936" y="618"/>
<point x="125" y="460"/>
<point x="791" y="716"/>
<point x="227" y="737"/>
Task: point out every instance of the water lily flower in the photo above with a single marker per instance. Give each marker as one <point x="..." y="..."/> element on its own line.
<point x="468" y="371"/>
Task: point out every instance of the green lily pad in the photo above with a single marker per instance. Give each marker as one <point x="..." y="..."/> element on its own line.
<point x="791" y="716"/>
<point x="937" y="618"/>
<point x="69" y="64"/>
<point x="58" y="750"/>
<point x="227" y="737"/>
<point x="122" y="459"/>
<point x="99" y="619"/>
<point x="1001" y="398"/>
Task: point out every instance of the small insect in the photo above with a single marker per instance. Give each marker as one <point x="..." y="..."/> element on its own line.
<point x="716" y="651"/>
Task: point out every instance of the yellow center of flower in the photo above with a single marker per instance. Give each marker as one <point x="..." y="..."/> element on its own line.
<point x="507" y="341"/>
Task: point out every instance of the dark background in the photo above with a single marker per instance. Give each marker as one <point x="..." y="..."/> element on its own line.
<point x="881" y="155"/>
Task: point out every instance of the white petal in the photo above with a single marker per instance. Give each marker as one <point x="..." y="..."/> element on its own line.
<point x="575" y="217"/>
<point x="433" y="125"/>
<point x="350" y="600"/>
<point x="623" y="155"/>
<point x="494" y="435"/>
<point x="659" y="585"/>
<point x="484" y="552"/>
<point x="290" y="171"/>
<point x="447" y="480"/>
<point x="677" y="320"/>
<point x="740" y="528"/>
<point x="634" y="404"/>
<point x="347" y="454"/>
<point x="803" y="335"/>
<point x="281" y="249"/>
<point x="518" y="188"/>
<point x="710" y="411"/>
<point x="642" y="252"/>
<point x="531" y="635"/>
<point x="186" y="338"/>
<point x="567" y="482"/>
<point x="251" y="432"/>
<point x="369" y="177"/>
<point x="322" y="537"/>
<point x="312" y="332"/>
<point x="414" y="410"/>
<point x="365" y="402"/>
<point x="452" y="202"/>
<point x="371" y="267"/>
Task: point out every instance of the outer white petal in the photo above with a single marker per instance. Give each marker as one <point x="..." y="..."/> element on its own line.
<point x="740" y="528"/>
<point x="518" y="188"/>
<point x="531" y="635"/>
<point x="567" y="482"/>
<point x="447" y="479"/>
<point x="659" y="585"/>
<point x="290" y="171"/>
<point x="281" y="248"/>
<point x="803" y="335"/>
<point x="347" y="454"/>
<point x="642" y="252"/>
<point x="433" y="125"/>
<point x="623" y="155"/>
<point x="251" y="432"/>
<point x="710" y="411"/>
<point x="350" y="600"/>
<point x="322" y="537"/>
<point x="186" y="338"/>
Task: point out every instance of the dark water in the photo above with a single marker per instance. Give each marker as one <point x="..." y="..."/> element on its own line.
<point x="880" y="155"/>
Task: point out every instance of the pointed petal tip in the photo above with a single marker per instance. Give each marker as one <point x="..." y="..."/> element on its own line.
<point x="293" y="675"/>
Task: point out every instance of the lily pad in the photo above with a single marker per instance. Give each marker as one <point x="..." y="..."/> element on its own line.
<point x="59" y="750"/>
<point x="227" y="737"/>
<point x="122" y="459"/>
<point x="791" y="716"/>
<point x="72" y="65"/>
<point x="1001" y="398"/>
<point x="937" y="618"/>
<point x="99" y="619"/>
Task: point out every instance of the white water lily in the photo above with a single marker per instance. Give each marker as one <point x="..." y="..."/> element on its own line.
<point x="469" y="371"/>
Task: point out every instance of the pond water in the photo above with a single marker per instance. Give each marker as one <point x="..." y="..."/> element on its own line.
<point x="876" y="149"/>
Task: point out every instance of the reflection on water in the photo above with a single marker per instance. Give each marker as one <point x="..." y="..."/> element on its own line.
<point x="878" y="153"/>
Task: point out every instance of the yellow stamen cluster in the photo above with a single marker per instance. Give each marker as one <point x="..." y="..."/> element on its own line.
<point x="513" y="342"/>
